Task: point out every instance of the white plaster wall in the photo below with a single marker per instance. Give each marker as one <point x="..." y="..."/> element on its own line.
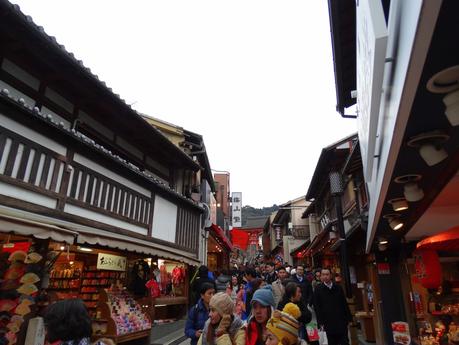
<point x="79" y="211"/>
<point x="101" y="170"/>
<point x="32" y="135"/>
<point x="164" y="220"/>
<point x="26" y="195"/>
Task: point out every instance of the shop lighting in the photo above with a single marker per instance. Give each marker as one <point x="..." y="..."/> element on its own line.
<point x="394" y="221"/>
<point x="398" y="204"/>
<point x="62" y="247"/>
<point x="71" y="263"/>
<point x="430" y="146"/>
<point x="382" y="244"/>
<point x="84" y="249"/>
<point x="411" y="189"/>
<point x="451" y="102"/>
<point x="447" y="82"/>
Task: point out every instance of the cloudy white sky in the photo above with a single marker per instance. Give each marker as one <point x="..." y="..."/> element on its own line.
<point x="254" y="77"/>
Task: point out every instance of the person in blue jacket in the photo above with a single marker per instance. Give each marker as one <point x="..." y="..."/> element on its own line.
<point x="199" y="313"/>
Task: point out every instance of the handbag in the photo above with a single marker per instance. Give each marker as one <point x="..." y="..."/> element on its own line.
<point x="323" y="340"/>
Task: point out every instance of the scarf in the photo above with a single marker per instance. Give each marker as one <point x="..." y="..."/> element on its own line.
<point x="235" y="326"/>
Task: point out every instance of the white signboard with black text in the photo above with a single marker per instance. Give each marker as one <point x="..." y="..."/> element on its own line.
<point x="236" y="214"/>
<point x="371" y="56"/>
<point x="111" y="262"/>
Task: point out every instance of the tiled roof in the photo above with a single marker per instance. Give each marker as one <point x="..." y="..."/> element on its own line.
<point x="61" y="48"/>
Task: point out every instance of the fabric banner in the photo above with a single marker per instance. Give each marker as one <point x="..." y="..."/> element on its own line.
<point x="240" y="239"/>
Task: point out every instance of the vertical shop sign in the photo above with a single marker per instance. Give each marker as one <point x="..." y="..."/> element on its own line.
<point x="213" y="209"/>
<point x="278" y="232"/>
<point x="371" y="54"/>
<point x="111" y="262"/>
<point x="236" y="209"/>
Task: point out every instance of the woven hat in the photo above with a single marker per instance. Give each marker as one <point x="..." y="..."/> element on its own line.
<point x="284" y="325"/>
<point x="222" y="303"/>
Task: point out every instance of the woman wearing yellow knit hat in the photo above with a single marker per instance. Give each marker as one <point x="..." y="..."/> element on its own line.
<point x="282" y="328"/>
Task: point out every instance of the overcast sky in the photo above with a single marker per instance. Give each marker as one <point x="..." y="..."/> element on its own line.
<point x="255" y="78"/>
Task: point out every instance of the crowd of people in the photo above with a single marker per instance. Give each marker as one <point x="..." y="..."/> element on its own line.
<point x="267" y="305"/>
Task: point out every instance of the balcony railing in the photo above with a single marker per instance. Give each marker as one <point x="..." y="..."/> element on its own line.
<point x="64" y="181"/>
<point x="300" y="231"/>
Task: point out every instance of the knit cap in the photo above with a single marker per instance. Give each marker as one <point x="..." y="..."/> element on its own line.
<point x="222" y="303"/>
<point x="284" y="325"/>
<point x="264" y="296"/>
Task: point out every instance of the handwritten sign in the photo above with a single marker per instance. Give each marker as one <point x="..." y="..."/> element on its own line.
<point x="111" y="262"/>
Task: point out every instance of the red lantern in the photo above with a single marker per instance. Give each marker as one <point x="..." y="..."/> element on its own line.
<point x="428" y="268"/>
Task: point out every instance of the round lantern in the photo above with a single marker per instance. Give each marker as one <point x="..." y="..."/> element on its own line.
<point x="428" y="268"/>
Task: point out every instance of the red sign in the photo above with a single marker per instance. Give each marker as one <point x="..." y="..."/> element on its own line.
<point x="14" y="246"/>
<point x="240" y="239"/>
<point x="383" y="268"/>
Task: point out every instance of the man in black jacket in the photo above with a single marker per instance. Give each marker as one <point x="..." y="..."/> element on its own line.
<point x="305" y="285"/>
<point x="270" y="276"/>
<point x="331" y="309"/>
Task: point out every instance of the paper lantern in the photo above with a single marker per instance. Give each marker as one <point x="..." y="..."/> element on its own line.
<point x="428" y="268"/>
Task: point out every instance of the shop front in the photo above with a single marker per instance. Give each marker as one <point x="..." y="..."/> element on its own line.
<point x="219" y="250"/>
<point x="157" y="275"/>
<point x="23" y="259"/>
<point x="125" y="286"/>
<point x="433" y="313"/>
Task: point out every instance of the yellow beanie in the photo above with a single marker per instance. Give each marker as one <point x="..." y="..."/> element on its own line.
<point x="284" y="325"/>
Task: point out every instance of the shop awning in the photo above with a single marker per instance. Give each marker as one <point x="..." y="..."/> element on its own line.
<point x="301" y="250"/>
<point x="23" y="227"/>
<point x="221" y="236"/>
<point x="117" y="241"/>
<point x="445" y="241"/>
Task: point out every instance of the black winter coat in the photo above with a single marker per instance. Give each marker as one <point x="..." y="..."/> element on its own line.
<point x="331" y="309"/>
<point x="306" y="315"/>
<point x="306" y="289"/>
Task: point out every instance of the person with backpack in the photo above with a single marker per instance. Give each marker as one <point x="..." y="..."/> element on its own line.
<point x="199" y="313"/>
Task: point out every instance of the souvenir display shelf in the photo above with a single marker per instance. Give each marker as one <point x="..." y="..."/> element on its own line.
<point x="119" y="317"/>
<point x="65" y="279"/>
<point x="93" y="280"/>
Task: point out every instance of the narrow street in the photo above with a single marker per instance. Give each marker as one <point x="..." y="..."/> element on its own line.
<point x="243" y="172"/>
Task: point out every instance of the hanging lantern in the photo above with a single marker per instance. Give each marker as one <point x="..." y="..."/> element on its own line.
<point x="428" y="268"/>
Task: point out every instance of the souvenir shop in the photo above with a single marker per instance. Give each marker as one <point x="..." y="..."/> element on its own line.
<point x="125" y="291"/>
<point x="434" y="297"/>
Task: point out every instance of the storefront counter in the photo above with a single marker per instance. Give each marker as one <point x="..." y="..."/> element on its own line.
<point x="160" y="301"/>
